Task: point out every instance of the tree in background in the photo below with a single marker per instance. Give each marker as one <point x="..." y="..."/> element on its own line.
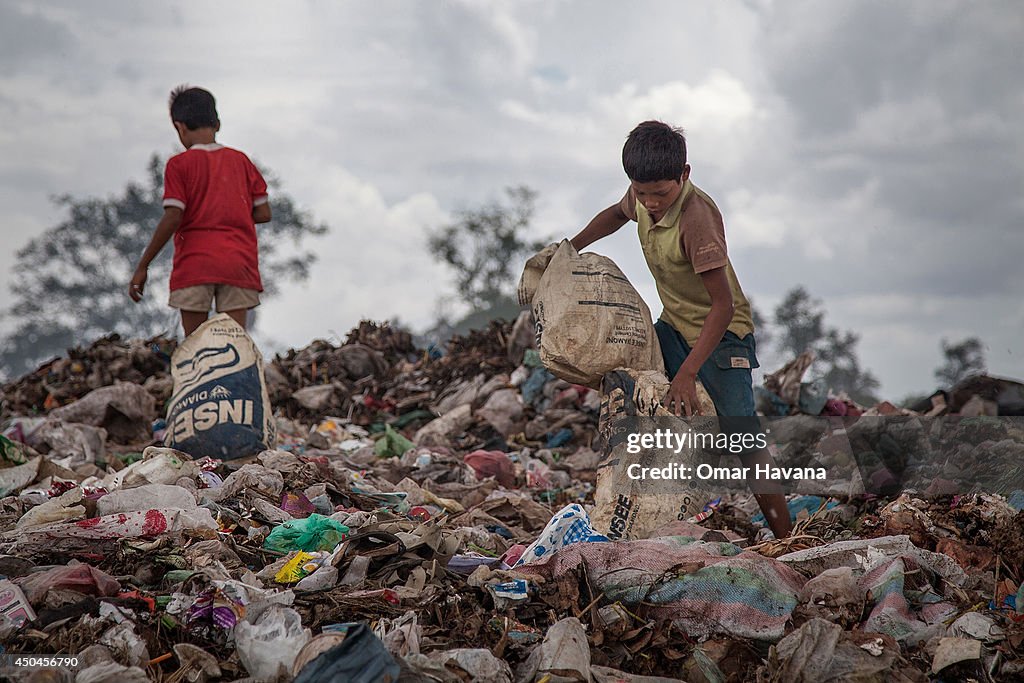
<point x="765" y="335"/>
<point x="69" y="283"/>
<point x="485" y="248"/>
<point x="800" y="326"/>
<point x="802" y="322"/>
<point x="962" y="360"/>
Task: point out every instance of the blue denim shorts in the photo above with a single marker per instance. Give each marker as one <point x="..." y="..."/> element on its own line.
<point x="725" y="374"/>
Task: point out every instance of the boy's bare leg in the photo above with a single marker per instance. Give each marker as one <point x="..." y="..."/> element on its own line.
<point x="190" y="320"/>
<point x="768" y="494"/>
<point x="239" y="315"/>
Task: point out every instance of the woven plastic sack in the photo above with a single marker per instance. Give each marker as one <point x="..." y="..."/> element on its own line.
<point x="590" y="319"/>
<point x="220" y="407"/>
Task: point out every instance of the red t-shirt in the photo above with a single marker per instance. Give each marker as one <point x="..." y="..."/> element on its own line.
<point x="216" y="187"/>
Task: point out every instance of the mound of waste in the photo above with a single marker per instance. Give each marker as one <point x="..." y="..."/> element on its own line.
<point x="429" y="515"/>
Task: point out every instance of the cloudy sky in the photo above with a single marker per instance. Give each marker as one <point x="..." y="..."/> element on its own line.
<point x="870" y="151"/>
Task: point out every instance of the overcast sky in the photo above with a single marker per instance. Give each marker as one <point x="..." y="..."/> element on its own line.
<point x="870" y="151"/>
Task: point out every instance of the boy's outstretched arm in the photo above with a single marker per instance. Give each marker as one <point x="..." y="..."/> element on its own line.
<point x="165" y="229"/>
<point x="601" y="225"/>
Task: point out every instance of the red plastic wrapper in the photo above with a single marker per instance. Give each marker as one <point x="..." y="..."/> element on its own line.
<point x="60" y="487"/>
<point x="209" y="464"/>
<point x="78" y="577"/>
<point x="419" y="513"/>
<point x="492" y="464"/>
<point x="296" y="504"/>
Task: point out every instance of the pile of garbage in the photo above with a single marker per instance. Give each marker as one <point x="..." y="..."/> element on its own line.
<point x="786" y="393"/>
<point x="427" y="515"/>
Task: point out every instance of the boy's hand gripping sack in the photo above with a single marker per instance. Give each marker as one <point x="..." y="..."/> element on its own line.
<point x="590" y="319"/>
<point x="627" y="508"/>
<point x="220" y="407"/>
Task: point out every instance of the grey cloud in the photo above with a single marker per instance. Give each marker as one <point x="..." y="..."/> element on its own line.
<point x="552" y="73"/>
<point x="935" y="267"/>
<point x="960" y="192"/>
<point x="107" y="13"/>
<point x="960" y="185"/>
<point x="129" y="72"/>
<point x="22" y="181"/>
<point x="922" y="98"/>
<point x="872" y="51"/>
<point x="466" y="53"/>
<point x="28" y="37"/>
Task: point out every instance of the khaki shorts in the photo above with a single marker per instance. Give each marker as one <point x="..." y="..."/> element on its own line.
<point x="199" y="298"/>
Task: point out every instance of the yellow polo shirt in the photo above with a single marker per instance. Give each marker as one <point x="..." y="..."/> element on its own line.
<point x="687" y="241"/>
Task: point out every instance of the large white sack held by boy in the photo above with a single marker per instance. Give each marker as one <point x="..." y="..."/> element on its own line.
<point x="220" y="407"/>
<point x="590" y="319"/>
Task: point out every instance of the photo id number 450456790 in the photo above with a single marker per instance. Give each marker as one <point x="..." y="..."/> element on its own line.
<point x="10" y="660"/>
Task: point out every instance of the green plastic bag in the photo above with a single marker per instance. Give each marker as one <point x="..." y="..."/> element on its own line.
<point x="11" y="451"/>
<point x="392" y="444"/>
<point x="311" y="534"/>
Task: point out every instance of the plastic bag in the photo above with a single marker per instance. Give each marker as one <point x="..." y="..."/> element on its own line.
<point x="158" y="466"/>
<point x="268" y="648"/>
<point x="360" y="658"/>
<point x="565" y="653"/>
<point x="495" y="464"/>
<point x="147" y="523"/>
<point x="60" y="509"/>
<point x="13" y="452"/>
<point x="300" y="566"/>
<point x="146" y="497"/>
<point x="392" y="444"/>
<point x="570" y="525"/>
<point x="311" y="534"/>
<point x="251" y="476"/>
<point x="123" y="639"/>
<point x="77" y="576"/>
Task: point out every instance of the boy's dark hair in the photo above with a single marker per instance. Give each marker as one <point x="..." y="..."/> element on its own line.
<point x="654" y="151"/>
<point x="194" y="107"/>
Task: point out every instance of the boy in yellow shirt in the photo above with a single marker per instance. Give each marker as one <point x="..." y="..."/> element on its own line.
<point x="706" y="329"/>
